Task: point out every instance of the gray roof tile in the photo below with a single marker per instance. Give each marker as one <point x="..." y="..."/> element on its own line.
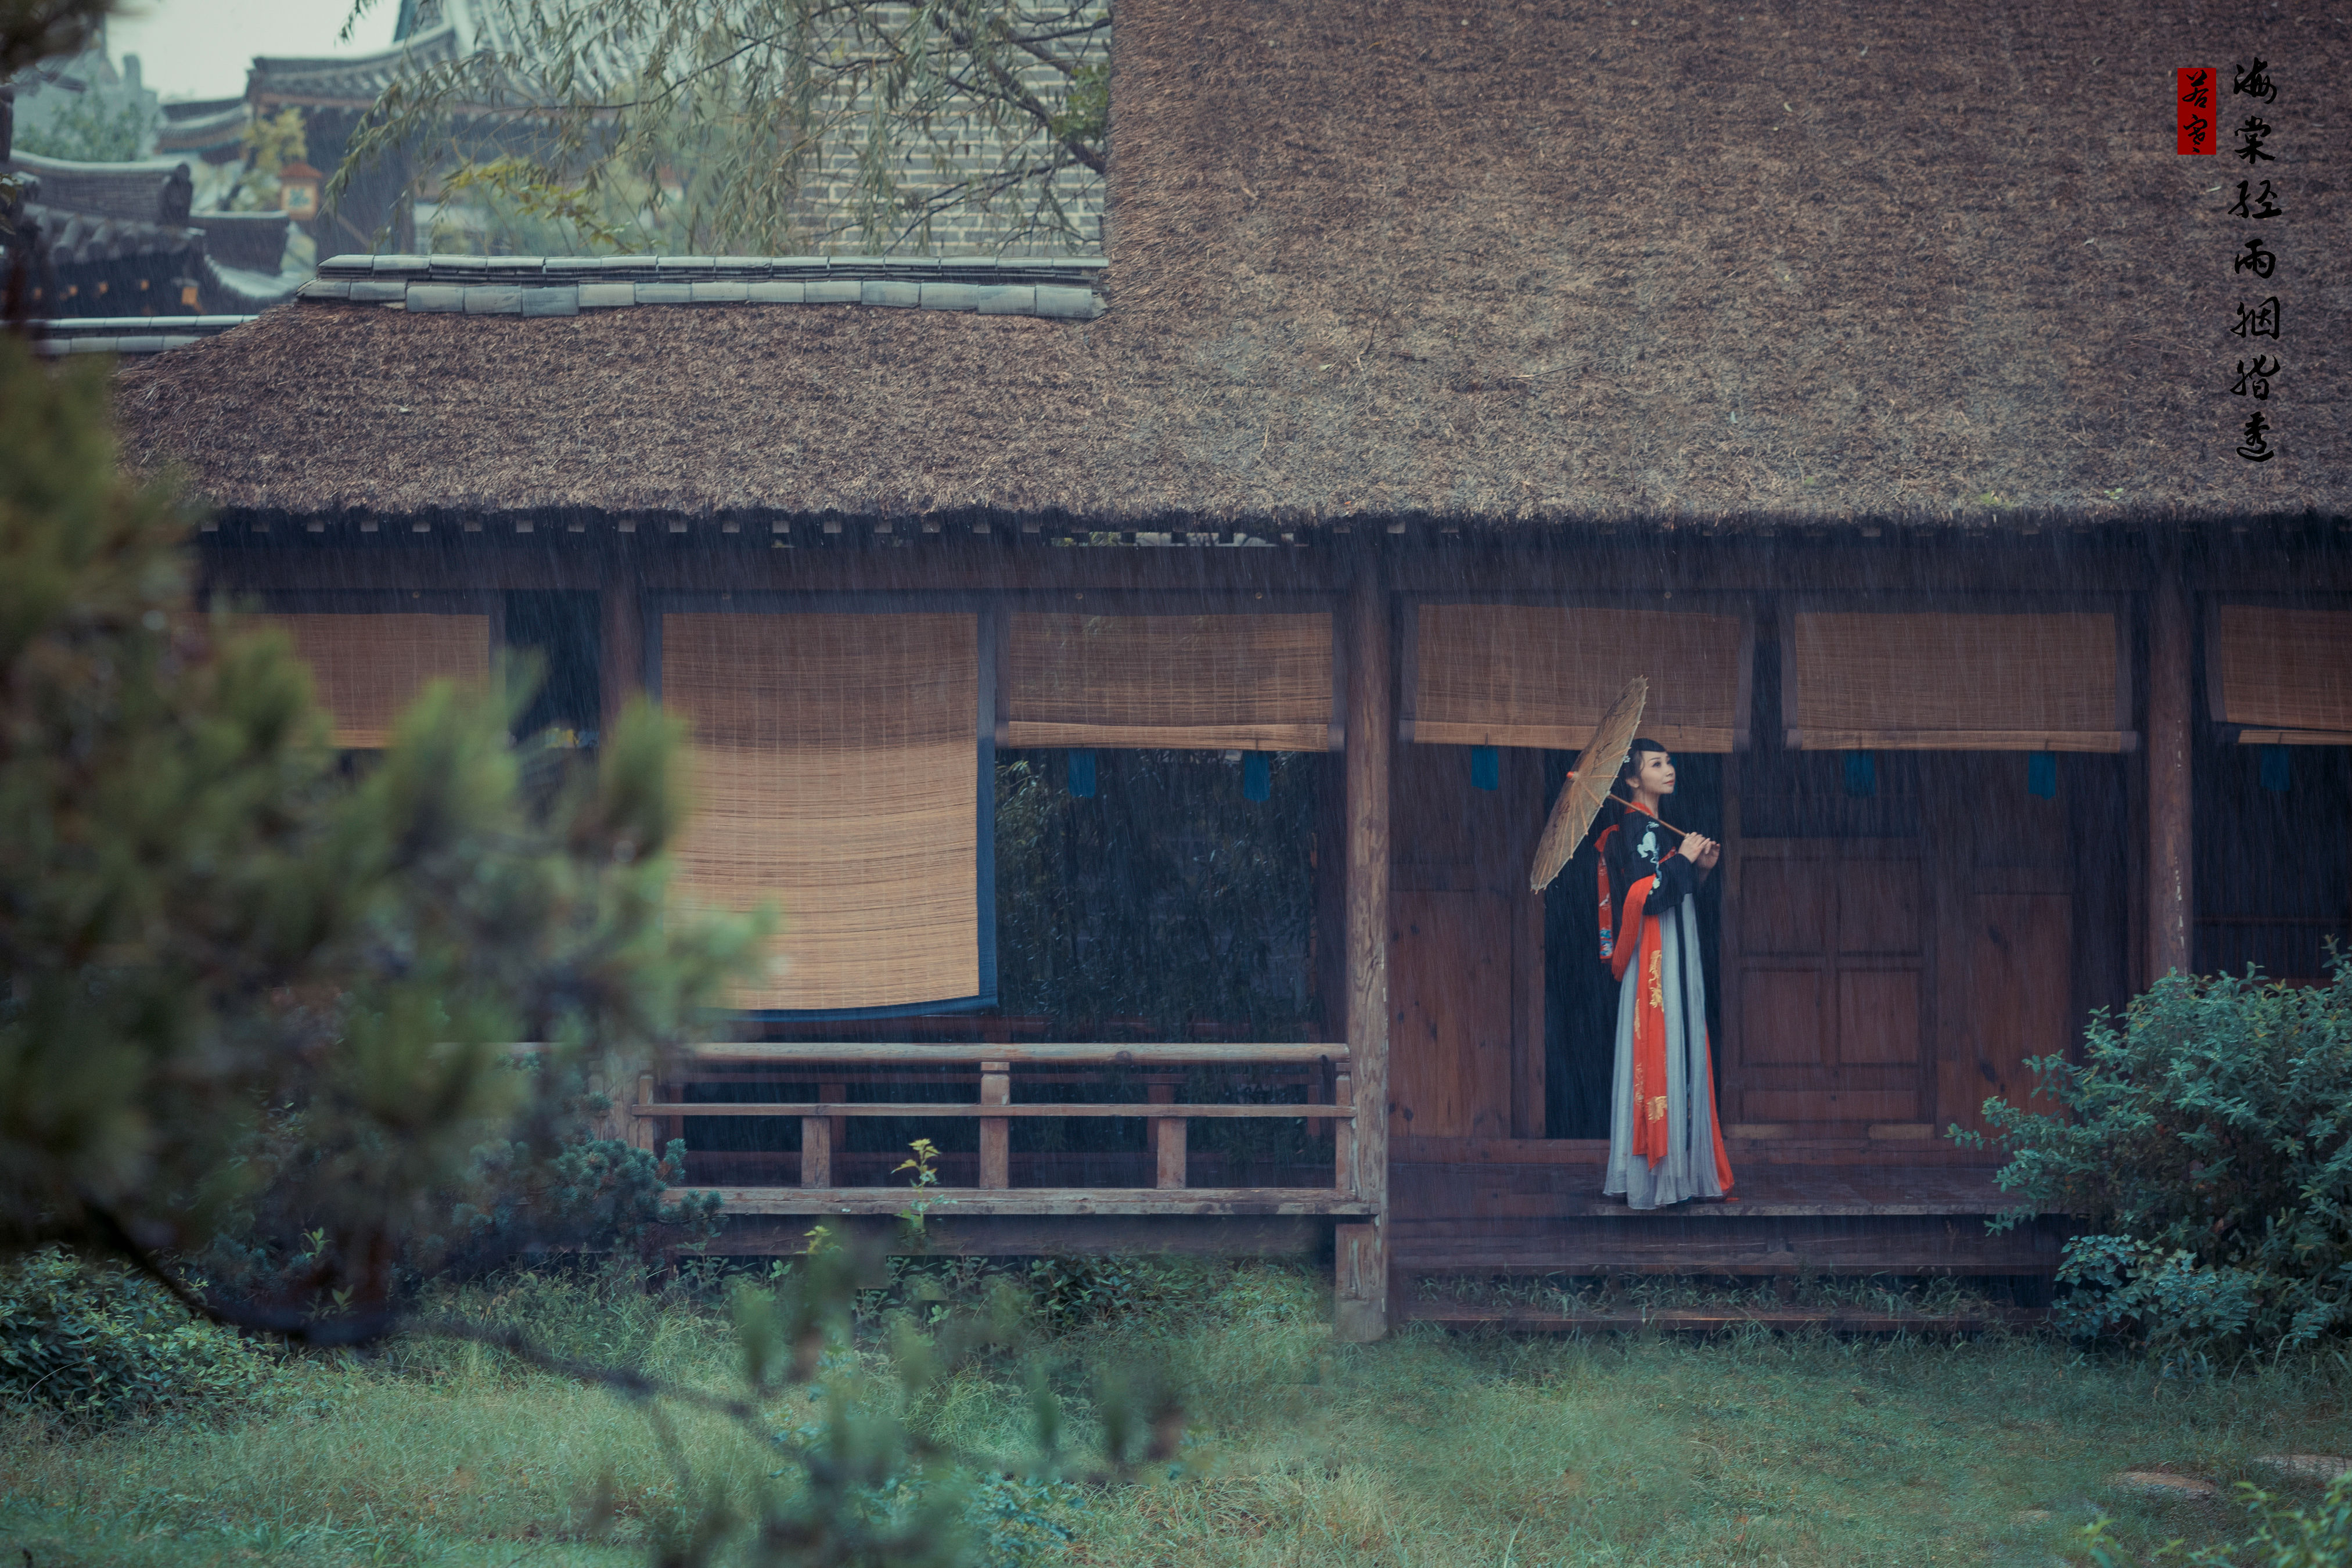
<point x="1058" y="286"/>
<point x="1017" y="299"/>
<point x="1070" y="304"/>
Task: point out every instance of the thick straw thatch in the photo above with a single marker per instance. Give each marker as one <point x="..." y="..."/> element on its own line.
<point x="1709" y="261"/>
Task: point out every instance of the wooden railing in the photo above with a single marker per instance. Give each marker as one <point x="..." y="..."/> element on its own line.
<point x="834" y="1066"/>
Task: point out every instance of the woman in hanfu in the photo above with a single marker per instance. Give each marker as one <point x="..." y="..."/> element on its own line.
<point x="1664" y="1144"/>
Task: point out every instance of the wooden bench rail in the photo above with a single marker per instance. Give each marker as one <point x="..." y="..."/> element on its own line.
<point x="967" y="1108"/>
<point x="950" y="1202"/>
<point x="1204" y="1054"/>
<point x="824" y="1120"/>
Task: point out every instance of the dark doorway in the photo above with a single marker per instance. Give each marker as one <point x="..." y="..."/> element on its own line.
<point x="565" y="631"/>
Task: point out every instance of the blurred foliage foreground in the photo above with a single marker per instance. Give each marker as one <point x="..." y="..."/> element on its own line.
<point x="257" y="1076"/>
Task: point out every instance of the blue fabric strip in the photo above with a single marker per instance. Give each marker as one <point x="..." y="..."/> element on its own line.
<point x="1257" y="776"/>
<point x="2278" y="770"/>
<point x="1486" y="768"/>
<point x="1861" y="774"/>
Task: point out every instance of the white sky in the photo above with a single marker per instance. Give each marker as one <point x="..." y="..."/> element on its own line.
<point x="201" y="48"/>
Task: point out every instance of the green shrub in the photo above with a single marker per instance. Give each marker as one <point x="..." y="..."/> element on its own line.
<point x="2206" y="1139"/>
<point x="597" y="1194"/>
<point x="1078" y="1290"/>
<point x="514" y="1204"/>
<point x="2283" y="1538"/>
<point x="90" y="1344"/>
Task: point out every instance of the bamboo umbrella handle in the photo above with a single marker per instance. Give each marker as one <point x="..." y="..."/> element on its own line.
<point x="1669" y="826"/>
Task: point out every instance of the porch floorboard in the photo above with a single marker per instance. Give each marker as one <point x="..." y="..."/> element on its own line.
<point x="1559" y="1189"/>
<point x="1707" y="1321"/>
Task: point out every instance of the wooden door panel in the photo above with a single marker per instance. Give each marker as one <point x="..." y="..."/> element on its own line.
<point x="1782" y="1022"/>
<point x="1829" y="1006"/>
<point x="1878" y="1017"/>
<point x="1783" y="907"/>
<point x="1878" y="907"/>
<point x="2021" y="981"/>
<point x="1449" y="994"/>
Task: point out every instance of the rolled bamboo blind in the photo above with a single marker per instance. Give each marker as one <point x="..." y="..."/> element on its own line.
<point x="1937" y="681"/>
<point x="1526" y="674"/>
<point x="2282" y="676"/>
<point x="837" y="772"/>
<point x="1251" y="683"/>
<point x="367" y="669"/>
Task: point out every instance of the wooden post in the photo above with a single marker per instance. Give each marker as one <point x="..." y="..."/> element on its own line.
<point x="1361" y="1305"/>
<point x="1168" y="1134"/>
<point x="1317" y="1092"/>
<point x="816" y="1151"/>
<point x="1360" y="1272"/>
<point x="641" y="1128"/>
<point x="611" y="1080"/>
<point x="838" y="1127"/>
<point x="2171" y="894"/>
<point x="1343" y="1132"/>
<point x="996" y="1147"/>
<point x="624" y="653"/>
<point x="1523" y="777"/>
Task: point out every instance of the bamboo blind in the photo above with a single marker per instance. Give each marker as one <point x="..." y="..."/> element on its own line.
<point x="1526" y="675"/>
<point x="367" y="669"/>
<point x="1936" y="681"/>
<point x="2284" y="675"/>
<point x="1251" y="683"/>
<point x="836" y="771"/>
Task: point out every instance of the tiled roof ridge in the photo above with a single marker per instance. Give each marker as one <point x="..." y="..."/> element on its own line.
<point x="124" y="334"/>
<point x="1061" y="287"/>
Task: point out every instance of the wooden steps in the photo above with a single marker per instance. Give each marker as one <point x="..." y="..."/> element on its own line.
<point x="1781" y="1219"/>
<point x="1719" y="1320"/>
<point x="1955" y="1244"/>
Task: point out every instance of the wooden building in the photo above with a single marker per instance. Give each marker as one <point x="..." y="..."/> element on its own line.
<point x="115" y="240"/>
<point x="1450" y="365"/>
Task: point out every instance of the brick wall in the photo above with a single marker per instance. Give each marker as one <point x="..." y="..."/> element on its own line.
<point x="832" y="196"/>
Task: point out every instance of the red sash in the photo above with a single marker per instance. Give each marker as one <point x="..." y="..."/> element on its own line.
<point x="1637" y="933"/>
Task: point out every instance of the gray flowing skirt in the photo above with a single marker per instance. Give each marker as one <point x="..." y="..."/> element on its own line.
<point x="1688" y="1169"/>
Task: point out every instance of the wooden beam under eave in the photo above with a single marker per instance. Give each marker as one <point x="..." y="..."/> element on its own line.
<point x="2171" y="891"/>
<point x="1360" y="1309"/>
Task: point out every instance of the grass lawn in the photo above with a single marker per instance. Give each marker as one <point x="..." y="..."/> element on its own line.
<point x="1432" y="1450"/>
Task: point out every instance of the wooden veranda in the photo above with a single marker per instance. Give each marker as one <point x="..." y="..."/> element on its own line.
<point x="1454" y="1133"/>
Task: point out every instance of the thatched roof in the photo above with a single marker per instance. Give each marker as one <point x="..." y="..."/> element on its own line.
<point x="1708" y="261"/>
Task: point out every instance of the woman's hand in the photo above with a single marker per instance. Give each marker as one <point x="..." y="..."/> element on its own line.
<point x="1700" y="850"/>
<point x="1712" y="853"/>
